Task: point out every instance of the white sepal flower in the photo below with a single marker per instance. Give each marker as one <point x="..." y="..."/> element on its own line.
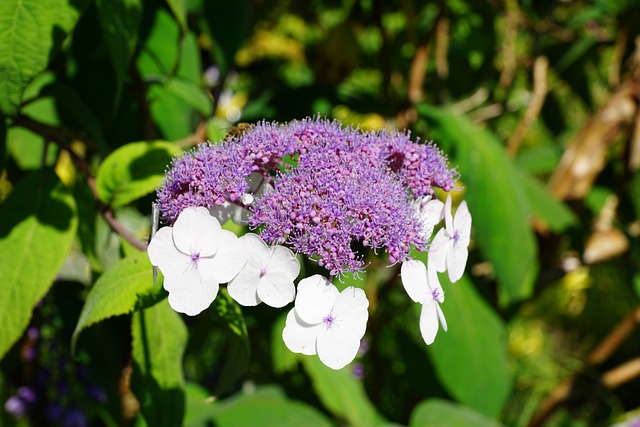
<point x="195" y="256"/>
<point x="423" y="287"/>
<point x="267" y="276"/>
<point x="449" y="248"/>
<point x="325" y="322"/>
<point x="430" y="212"/>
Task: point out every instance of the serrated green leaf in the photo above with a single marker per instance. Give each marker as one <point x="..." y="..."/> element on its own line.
<point x="159" y="341"/>
<point x="127" y="286"/>
<point x="31" y="32"/>
<point x="342" y="394"/>
<point x="190" y="93"/>
<point x="437" y="412"/>
<point x="179" y="9"/>
<point x="37" y="226"/>
<point x="496" y="200"/>
<point x="132" y="171"/>
<point x="120" y="20"/>
<point x="470" y="359"/>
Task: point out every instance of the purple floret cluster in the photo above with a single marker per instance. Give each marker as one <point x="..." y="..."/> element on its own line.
<point x="328" y="189"/>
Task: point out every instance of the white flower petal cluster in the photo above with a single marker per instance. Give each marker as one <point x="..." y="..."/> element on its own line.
<point x="267" y="276"/>
<point x="430" y="212"/>
<point x="423" y="287"/>
<point x="326" y="322"/>
<point x="195" y="256"/>
<point x="449" y="249"/>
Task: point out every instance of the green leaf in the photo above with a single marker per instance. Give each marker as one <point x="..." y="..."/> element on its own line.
<point x="179" y="9"/>
<point x="283" y="359"/>
<point x="471" y="357"/>
<point x="132" y="171"/>
<point x="342" y="394"/>
<point x="257" y="410"/>
<point x="31" y="32"/>
<point x="120" y="20"/>
<point x="496" y="200"/>
<point x="238" y="350"/>
<point x="542" y="204"/>
<point x="266" y="406"/>
<point x="124" y="288"/>
<point x="169" y="112"/>
<point x="37" y="226"/>
<point x="3" y="141"/>
<point x="159" y="341"/>
<point x="437" y="412"/>
<point x="190" y="93"/>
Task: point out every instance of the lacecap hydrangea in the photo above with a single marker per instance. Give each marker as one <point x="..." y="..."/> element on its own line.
<point x="315" y="188"/>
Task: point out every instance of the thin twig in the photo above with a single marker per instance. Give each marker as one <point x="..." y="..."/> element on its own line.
<point x="59" y="137"/>
<point x="540" y="68"/>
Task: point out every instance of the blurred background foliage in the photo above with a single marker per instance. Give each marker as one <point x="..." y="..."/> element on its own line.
<point x="537" y="102"/>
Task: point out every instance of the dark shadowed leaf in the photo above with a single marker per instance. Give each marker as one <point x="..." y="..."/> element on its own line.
<point x="436" y="413"/>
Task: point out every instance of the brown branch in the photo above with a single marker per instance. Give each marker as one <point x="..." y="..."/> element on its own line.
<point x="509" y="44"/>
<point x="610" y="379"/>
<point x="539" y="93"/>
<point x="60" y="136"/>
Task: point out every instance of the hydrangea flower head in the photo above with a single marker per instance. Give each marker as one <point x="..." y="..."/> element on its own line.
<point x="195" y="256"/>
<point x="326" y="322"/>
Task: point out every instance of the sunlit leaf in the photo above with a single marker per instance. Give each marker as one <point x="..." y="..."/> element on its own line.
<point x="190" y="93"/>
<point x="31" y="32"/>
<point x="179" y="9"/>
<point x="121" y="290"/>
<point x="471" y="357"/>
<point x="437" y="413"/>
<point x="132" y="171"/>
<point x="37" y="226"/>
<point x="159" y="341"/>
<point x="496" y="198"/>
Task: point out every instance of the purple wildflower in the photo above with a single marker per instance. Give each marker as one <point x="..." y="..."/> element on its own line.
<point x="15" y="406"/>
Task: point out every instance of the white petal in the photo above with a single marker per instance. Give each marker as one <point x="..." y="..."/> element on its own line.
<point x="448" y="220"/>
<point x="414" y="279"/>
<point x="315" y="298"/>
<point x="196" y="231"/>
<point x="231" y="256"/>
<point x="438" y="250"/>
<point x="259" y="252"/>
<point x="443" y="321"/>
<point x="462" y="223"/>
<point x="164" y="254"/>
<point x="456" y="261"/>
<point x="429" y="321"/>
<point x="244" y="287"/>
<point x="433" y="283"/>
<point x="192" y="300"/>
<point x="431" y="214"/>
<point x="284" y="261"/>
<point x="338" y="344"/>
<point x="298" y="336"/>
<point x="276" y="289"/>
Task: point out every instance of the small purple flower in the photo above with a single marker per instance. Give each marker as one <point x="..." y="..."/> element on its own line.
<point x="358" y="371"/>
<point x="15" y="406"/>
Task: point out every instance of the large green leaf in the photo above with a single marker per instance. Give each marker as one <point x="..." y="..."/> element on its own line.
<point x="132" y="171"/>
<point x="436" y="413"/>
<point x="342" y="394"/>
<point x="179" y="9"/>
<point x="238" y="350"/>
<point x="120" y="20"/>
<point x="496" y="198"/>
<point x="470" y="359"/>
<point x="37" y="226"/>
<point x="159" y="340"/>
<point x="121" y="290"/>
<point x="190" y="93"/>
<point x="31" y="32"/>
<point x="266" y="406"/>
